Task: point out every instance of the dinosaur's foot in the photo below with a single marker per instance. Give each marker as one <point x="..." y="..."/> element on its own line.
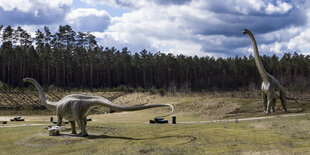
<point x="73" y="132"/>
<point x="285" y="110"/>
<point x="83" y="134"/>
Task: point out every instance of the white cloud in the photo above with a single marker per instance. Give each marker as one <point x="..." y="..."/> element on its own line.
<point x="82" y="12"/>
<point x="203" y="27"/>
<point x="29" y="5"/>
<point x="277" y="47"/>
<point x="159" y="29"/>
<point x="9" y="5"/>
<point x="55" y="3"/>
<point x="118" y="3"/>
<point x="184" y="47"/>
<point x="89" y="19"/>
<point x="100" y="2"/>
<point x="248" y="7"/>
<point x="281" y="8"/>
<point x="20" y="12"/>
<point x="300" y="42"/>
<point x="284" y="41"/>
<point x="136" y="4"/>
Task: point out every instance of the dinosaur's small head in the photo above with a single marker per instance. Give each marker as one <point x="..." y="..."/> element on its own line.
<point x="245" y="31"/>
<point x="27" y="79"/>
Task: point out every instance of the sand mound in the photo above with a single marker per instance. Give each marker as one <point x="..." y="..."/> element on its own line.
<point x="136" y="99"/>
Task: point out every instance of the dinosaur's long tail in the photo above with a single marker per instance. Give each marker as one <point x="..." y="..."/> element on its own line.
<point x="107" y="103"/>
<point x="292" y="98"/>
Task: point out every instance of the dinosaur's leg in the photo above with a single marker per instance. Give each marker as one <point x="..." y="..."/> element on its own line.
<point x="73" y="127"/>
<point x="269" y="102"/>
<point x="79" y="123"/>
<point x="273" y="105"/>
<point x="59" y="121"/>
<point x="283" y="101"/>
<point x="264" y="99"/>
<point x="82" y="125"/>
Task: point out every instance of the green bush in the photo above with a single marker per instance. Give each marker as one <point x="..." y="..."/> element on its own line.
<point x="140" y="89"/>
<point x="2" y="86"/>
<point x="152" y="91"/>
<point x="162" y="91"/>
<point x="130" y="89"/>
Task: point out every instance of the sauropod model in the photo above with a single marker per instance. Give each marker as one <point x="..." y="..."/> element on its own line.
<point x="271" y="88"/>
<point x="75" y="107"/>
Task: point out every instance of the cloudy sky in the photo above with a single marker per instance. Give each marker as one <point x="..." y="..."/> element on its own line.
<point x="188" y="27"/>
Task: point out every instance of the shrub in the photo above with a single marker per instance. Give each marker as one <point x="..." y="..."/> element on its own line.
<point x="162" y="92"/>
<point x="152" y="91"/>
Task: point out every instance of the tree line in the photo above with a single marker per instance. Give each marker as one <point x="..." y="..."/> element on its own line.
<point x="69" y="59"/>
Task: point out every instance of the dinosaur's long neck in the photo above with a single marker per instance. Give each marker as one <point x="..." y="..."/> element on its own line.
<point x="49" y="104"/>
<point x="107" y="103"/>
<point x="259" y="64"/>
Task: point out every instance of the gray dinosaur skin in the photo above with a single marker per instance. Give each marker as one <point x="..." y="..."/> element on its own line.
<point x="75" y="107"/>
<point x="271" y="88"/>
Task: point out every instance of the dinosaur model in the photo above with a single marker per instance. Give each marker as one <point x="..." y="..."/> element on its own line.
<point x="75" y="107"/>
<point x="271" y="88"/>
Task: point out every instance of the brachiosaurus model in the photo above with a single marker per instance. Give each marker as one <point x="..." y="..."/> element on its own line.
<point x="75" y="107"/>
<point x="271" y="88"/>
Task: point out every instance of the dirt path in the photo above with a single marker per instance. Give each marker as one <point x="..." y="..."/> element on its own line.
<point x="20" y="125"/>
<point x="28" y="118"/>
<point x="34" y="118"/>
<point x="243" y="119"/>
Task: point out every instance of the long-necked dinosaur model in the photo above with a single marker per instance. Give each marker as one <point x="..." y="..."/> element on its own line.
<point x="75" y="107"/>
<point x="271" y="88"/>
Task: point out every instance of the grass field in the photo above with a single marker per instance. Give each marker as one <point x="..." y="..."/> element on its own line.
<point x="130" y="132"/>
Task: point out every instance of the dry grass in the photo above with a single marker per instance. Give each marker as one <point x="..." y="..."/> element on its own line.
<point x="129" y="132"/>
